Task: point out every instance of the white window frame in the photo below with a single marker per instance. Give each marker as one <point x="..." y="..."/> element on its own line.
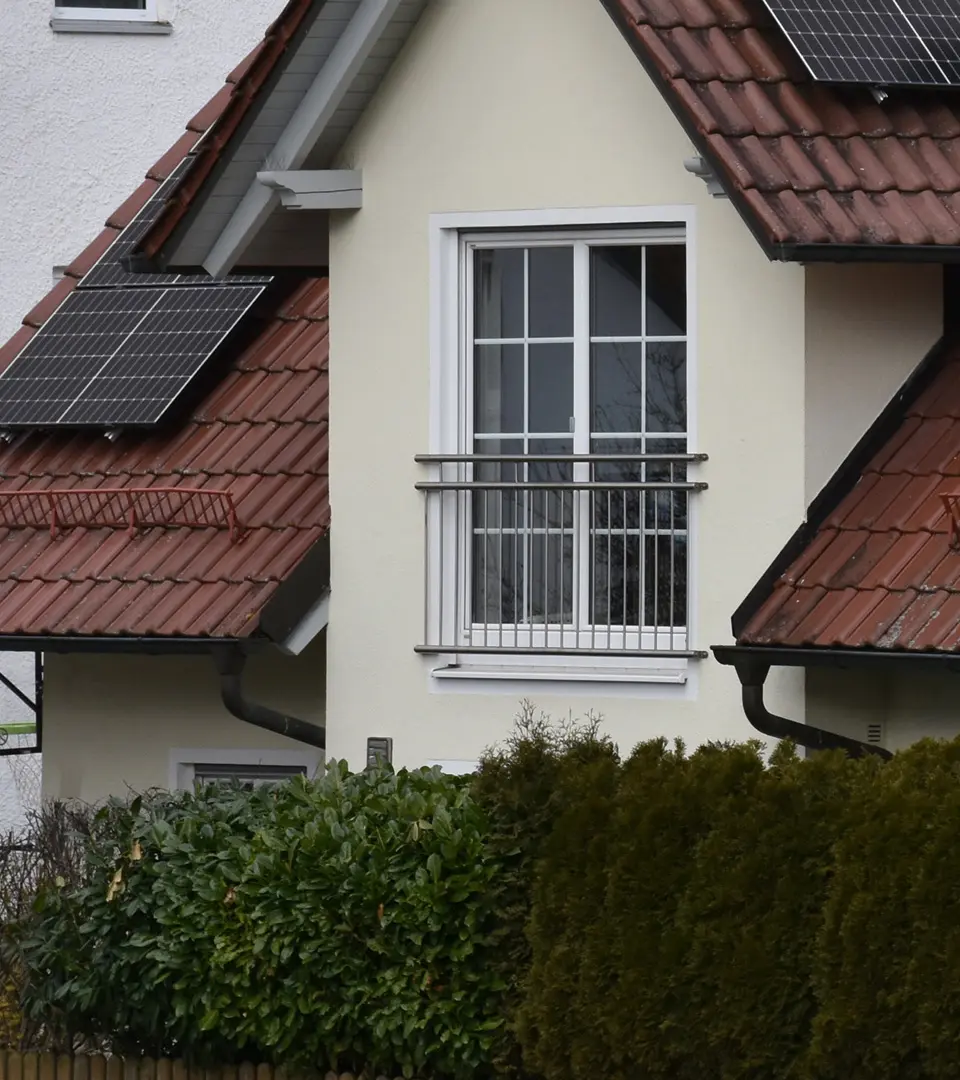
<point x="93" y="18"/>
<point x="183" y="761"/>
<point x="450" y="392"/>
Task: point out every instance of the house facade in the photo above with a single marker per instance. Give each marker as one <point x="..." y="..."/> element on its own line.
<point x="616" y="291"/>
<point x="89" y="95"/>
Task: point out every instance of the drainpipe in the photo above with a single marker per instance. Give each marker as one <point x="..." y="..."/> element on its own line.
<point x="753" y="675"/>
<point x="231" y="663"/>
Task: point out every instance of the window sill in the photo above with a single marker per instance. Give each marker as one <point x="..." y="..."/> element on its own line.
<point x="673" y="675"/>
<point x="108" y="26"/>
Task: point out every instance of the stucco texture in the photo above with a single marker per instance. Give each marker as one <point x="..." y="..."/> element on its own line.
<point x="506" y="106"/>
<point x="83" y="116"/>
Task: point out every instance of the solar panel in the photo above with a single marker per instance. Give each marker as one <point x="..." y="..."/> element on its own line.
<point x="113" y="358"/>
<point x="879" y="42"/>
<point x="123" y="347"/>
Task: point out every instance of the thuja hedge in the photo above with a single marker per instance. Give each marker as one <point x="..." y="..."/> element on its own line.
<point x="563" y="914"/>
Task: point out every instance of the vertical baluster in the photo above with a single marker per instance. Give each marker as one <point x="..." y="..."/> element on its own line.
<point x="462" y="537"/>
<point x="623" y="589"/>
<point x="485" y="534"/>
<point x="441" y="621"/>
<point x="673" y="558"/>
<point x="609" y="572"/>
<point x="546" y="567"/>
<point x="563" y="566"/>
<point x="656" y="570"/>
<point x="515" y="581"/>
<point x="426" y="568"/>
<point x="500" y="520"/>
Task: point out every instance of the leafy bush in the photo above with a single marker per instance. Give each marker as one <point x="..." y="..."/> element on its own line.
<point x="344" y="922"/>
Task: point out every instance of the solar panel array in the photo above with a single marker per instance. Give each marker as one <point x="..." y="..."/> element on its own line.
<point x="877" y="42"/>
<point x="123" y="347"/>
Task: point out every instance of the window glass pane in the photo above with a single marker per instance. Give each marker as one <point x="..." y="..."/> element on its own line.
<point x="129" y="5"/>
<point x="498" y="571"/>
<point x="616" y="291"/>
<point x="666" y="290"/>
<point x="616" y="387"/>
<point x="551" y="387"/>
<point x="498" y="388"/>
<point x="498" y="293"/>
<point x="551" y="292"/>
<point x="666" y="386"/>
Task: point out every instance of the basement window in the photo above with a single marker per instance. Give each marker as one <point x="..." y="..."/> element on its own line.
<point x="108" y="16"/>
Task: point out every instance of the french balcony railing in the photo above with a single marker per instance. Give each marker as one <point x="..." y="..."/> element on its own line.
<point x="562" y="554"/>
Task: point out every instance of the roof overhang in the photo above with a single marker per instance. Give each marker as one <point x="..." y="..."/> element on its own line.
<point x="153" y="645"/>
<point x="282" y="155"/>
<point x="744" y="656"/>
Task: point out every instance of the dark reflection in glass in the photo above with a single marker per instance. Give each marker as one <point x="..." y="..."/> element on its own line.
<point x="666" y="386"/>
<point x="551" y="292"/>
<point x="666" y="290"/>
<point x="616" y="291"/>
<point x="616" y="387"/>
<point x="498" y="293"/>
<point x="498" y="388"/>
<point x="550" y="387"/>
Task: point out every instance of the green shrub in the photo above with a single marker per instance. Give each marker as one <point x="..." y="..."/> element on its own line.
<point x="346" y="922"/>
<point x="520" y="787"/>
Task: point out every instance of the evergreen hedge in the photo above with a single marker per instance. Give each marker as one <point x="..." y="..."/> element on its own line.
<point x="563" y="914"/>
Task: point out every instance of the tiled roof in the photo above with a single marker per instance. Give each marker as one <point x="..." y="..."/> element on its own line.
<point x="805" y="163"/>
<point x="878" y="569"/>
<point x="260" y="434"/>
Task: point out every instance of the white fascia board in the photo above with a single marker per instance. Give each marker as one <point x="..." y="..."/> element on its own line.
<point x="316" y="189"/>
<point x="315" y="620"/>
<point x="304" y="128"/>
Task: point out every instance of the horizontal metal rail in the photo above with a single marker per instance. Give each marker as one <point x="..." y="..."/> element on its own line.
<point x="587" y="459"/>
<point x="579" y="565"/>
<point x="557" y="485"/>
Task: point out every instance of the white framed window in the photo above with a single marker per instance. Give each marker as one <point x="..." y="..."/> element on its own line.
<point x="109" y="15"/>
<point x="559" y="505"/>
<point x="190" y="768"/>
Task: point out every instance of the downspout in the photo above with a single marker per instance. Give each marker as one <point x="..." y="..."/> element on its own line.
<point x="230" y="663"/>
<point x="753" y="674"/>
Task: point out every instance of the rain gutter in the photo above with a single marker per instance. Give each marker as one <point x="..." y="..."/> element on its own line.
<point x="752" y="667"/>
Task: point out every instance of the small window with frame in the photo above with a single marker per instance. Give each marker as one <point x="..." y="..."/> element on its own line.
<point x="74" y="13"/>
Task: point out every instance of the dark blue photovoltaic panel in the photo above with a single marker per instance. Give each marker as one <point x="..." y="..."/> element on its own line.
<point x="123" y="347"/>
<point x="875" y="42"/>
<point x="110" y="358"/>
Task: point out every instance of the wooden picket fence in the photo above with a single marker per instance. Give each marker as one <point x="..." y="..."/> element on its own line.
<point x="46" y="1066"/>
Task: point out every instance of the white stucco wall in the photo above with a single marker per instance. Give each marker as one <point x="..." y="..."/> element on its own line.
<point x="506" y="106"/>
<point x="82" y="118"/>
<point x="112" y="721"/>
<point x="868" y="327"/>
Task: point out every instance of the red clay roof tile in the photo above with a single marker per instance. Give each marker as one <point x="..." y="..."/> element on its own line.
<point x="881" y="570"/>
<point x="260" y="434"/>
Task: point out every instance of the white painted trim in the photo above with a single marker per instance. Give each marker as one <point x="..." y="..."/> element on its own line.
<point x="303" y="129"/>
<point x="315" y="620"/>
<point x="316" y="189"/>
<point x="446" y="234"/>
<point x="107" y="26"/>
<point x="126" y="17"/>
<point x="183" y="760"/>
<point x="620" y="674"/>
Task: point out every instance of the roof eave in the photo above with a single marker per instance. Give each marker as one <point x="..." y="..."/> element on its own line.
<point x="865" y="253"/>
<point x="125" y="643"/>
<point x="845" y="658"/>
